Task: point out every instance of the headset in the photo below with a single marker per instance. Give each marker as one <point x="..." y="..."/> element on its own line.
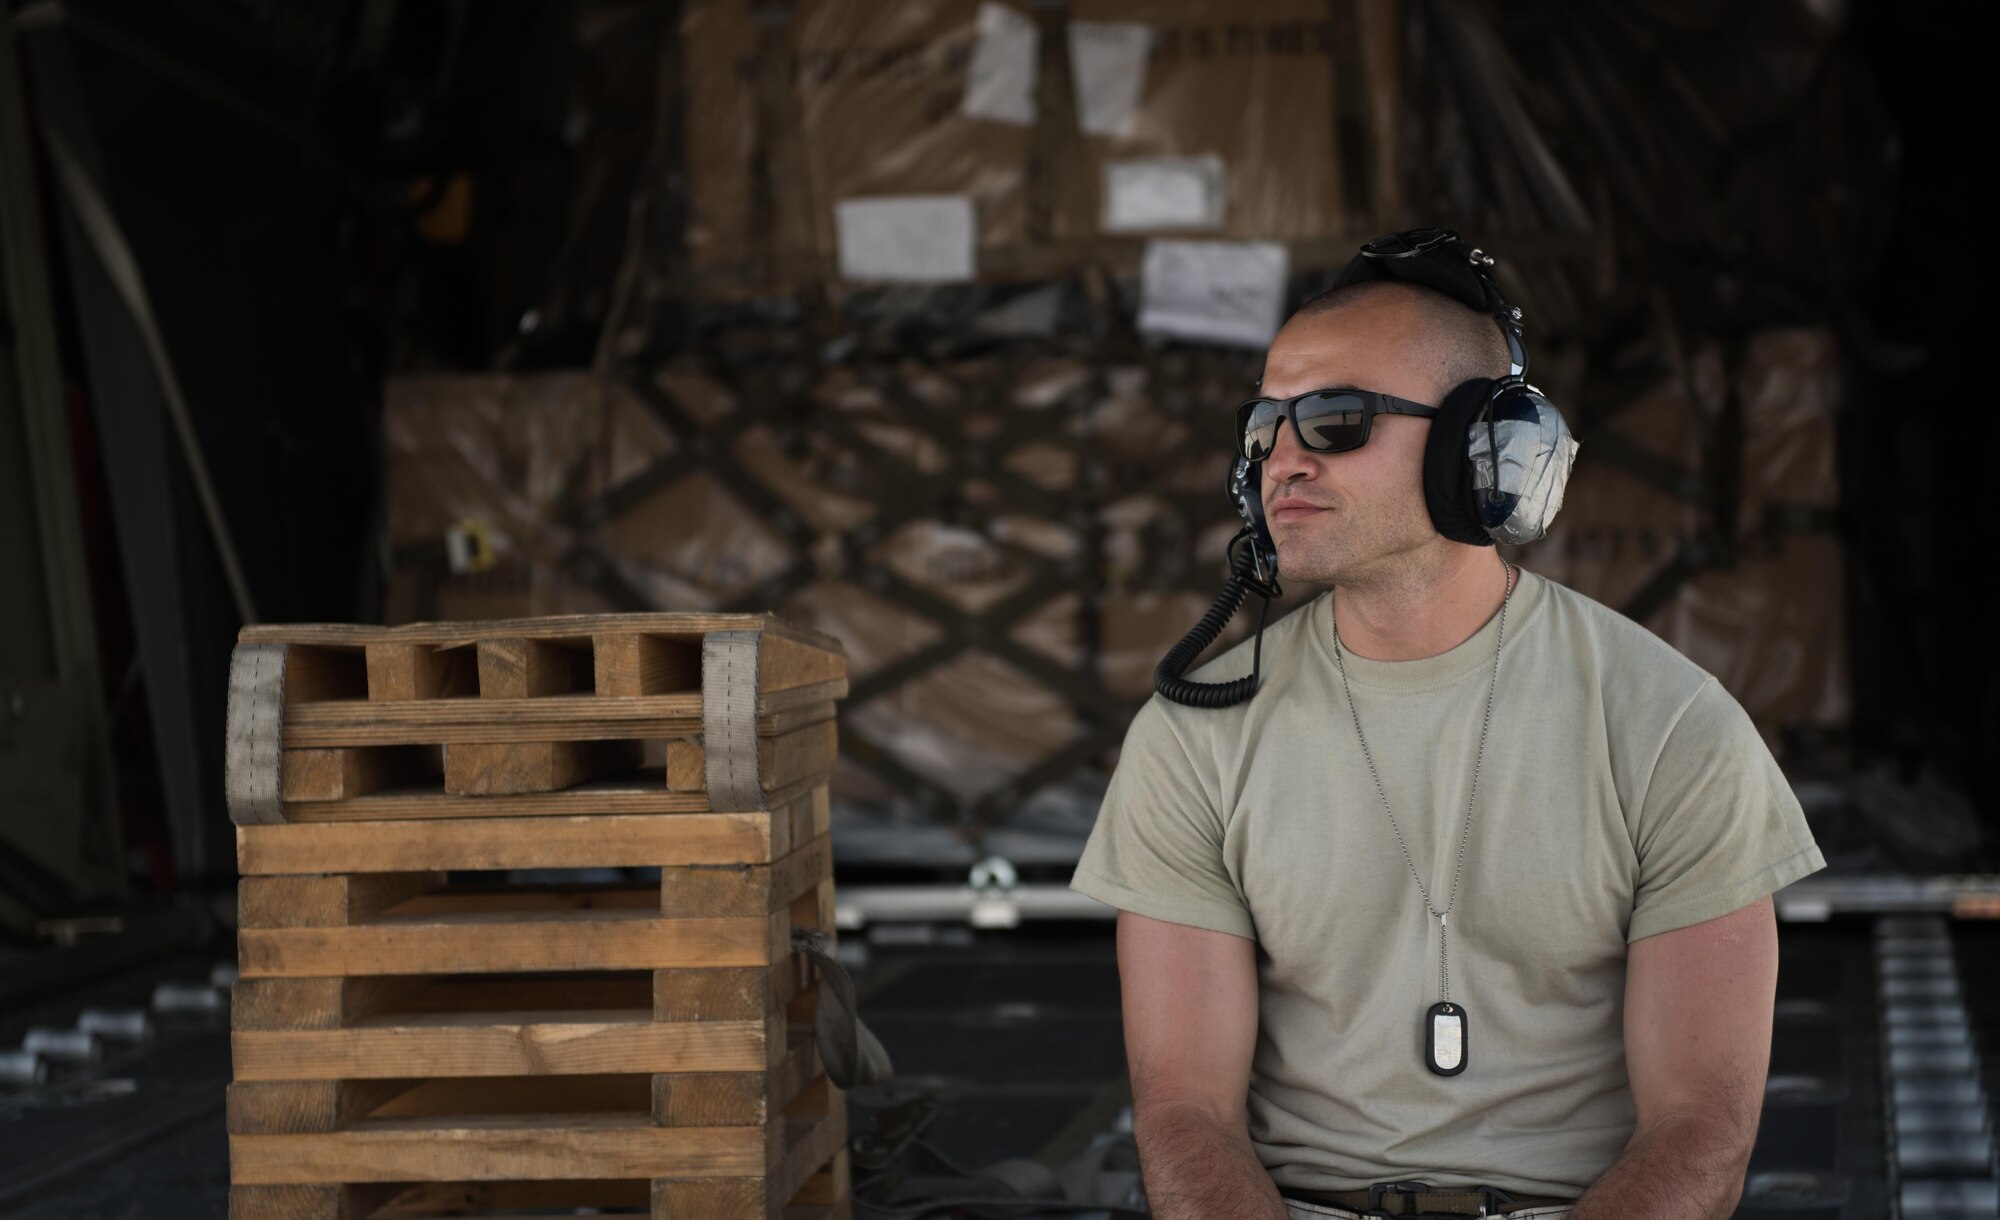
<point x="1495" y="463"/>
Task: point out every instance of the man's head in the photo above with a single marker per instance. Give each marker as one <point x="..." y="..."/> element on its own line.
<point x="1358" y="516"/>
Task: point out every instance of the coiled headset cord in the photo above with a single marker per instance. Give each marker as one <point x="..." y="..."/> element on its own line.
<point x="1242" y="579"/>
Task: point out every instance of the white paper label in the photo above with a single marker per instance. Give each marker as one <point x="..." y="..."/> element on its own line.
<point x="1107" y="61"/>
<point x="1163" y="193"/>
<point x="923" y="239"/>
<point x="1000" y="79"/>
<point x="1221" y="291"/>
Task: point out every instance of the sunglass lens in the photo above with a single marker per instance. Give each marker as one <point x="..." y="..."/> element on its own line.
<point x="1330" y="423"/>
<point x="1260" y="429"/>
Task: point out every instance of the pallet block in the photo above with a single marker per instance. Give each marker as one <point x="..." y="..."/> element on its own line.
<point x="574" y="715"/>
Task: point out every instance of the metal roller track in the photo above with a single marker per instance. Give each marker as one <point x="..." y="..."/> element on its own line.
<point x="1941" y="1149"/>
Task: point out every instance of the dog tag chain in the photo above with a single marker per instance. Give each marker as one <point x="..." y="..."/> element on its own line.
<point x="1446" y="1033"/>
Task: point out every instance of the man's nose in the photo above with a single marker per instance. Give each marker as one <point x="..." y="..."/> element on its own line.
<point x="1289" y="460"/>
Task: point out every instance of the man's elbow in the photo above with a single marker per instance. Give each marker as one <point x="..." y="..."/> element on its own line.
<point x="1716" y="1144"/>
<point x="1198" y="1163"/>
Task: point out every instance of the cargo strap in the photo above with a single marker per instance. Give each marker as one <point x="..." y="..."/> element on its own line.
<point x="729" y="685"/>
<point x="899" y="1175"/>
<point x="851" y="1052"/>
<point x="253" y="745"/>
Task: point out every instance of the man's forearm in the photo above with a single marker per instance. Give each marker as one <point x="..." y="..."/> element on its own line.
<point x="1677" y="1169"/>
<point x="1198" y="1167"/>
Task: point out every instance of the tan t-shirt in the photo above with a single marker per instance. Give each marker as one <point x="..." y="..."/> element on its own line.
<point x="1624" y="793"/>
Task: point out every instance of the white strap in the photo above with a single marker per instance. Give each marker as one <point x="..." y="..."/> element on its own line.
<point x="253" y="743"/>
<point x="729" y="672"/>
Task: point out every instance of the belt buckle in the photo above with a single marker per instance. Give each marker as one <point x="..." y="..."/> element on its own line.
<point x="1376" y="1191"/>
<point x="1492" y="1197"/>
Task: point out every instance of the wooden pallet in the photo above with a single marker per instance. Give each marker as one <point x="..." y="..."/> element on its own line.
<point x="577" y="715"/>
<point x="395" y="1025"/>
<point x="417" y="1033"/>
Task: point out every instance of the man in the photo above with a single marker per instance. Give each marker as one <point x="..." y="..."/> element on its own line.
<point x="1462" y="789"/>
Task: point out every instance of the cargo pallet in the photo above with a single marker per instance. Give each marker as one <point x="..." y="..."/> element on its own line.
<point x="439" y="1013"/>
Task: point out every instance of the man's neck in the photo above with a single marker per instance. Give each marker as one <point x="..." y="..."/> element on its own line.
<point x="1421" y="609"/>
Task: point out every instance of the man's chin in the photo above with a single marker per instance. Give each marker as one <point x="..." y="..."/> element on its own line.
<point x="1305" y="552"/>
<point x="1307" y="566"/>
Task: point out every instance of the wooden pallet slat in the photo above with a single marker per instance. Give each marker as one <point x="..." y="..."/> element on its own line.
<point x="615" y="795"/>
<point x="501" y="1044"/>
<point x="613" y="841"/>
<point x="532" y="838"/>
<point x="492" y="1148"/>
<point x="352" y="722"/>
<point x="555" y="626"/>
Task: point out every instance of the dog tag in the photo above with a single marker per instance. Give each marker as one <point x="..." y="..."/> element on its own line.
<point x="1444" y="1038"/>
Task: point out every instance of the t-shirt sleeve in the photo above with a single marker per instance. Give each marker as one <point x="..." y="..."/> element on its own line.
<point x="1718" y="826"/>
<point x="1156" y="849"/>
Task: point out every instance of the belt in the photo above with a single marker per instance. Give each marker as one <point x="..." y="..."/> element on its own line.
<point x="1415" y="1199"/>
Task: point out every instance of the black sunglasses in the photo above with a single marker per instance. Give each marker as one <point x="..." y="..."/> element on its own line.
<point x="1325" y="421"/>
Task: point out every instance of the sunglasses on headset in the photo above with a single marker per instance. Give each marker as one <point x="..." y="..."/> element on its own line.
<point x="1325" y="421"/>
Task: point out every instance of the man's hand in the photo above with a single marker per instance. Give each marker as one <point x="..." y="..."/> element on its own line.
<point x="1190" y="999"/>
<point x="1698" y="1004"/>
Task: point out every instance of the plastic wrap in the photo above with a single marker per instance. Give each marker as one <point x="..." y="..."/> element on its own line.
<point x="606" y="131"/>
<point x="1256" y="88"/>
<point x="1773" y="631"/>
<point x="866" y="97"/>
<point x="693" y="545"/>
<point x="490" y="477"/>
<point x="497" y="460"/>
<point x="1773" y="627"/>
<point x="1664" y="132"/>
<point x="1206" y="120"/>
<point x="720" y="52"/>
<point x="1790" y="386"/>
<point x="1008" y="545"/>
<point x="1770" y="622"/>
<point x="1618" y="531"/>
<point x="879" y="94"/>
<point x="970" y="725"/>
<point x="1001" y="556"/>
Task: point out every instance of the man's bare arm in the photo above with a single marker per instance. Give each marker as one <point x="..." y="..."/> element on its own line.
<point x="1190" y="998"/>
<point x="1698" y="1005"/>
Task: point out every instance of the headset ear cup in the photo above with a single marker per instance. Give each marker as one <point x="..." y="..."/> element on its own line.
<point x="1447" y="473"/>
<point x="1519" y="460"/>
<point x="1519" y="489"/>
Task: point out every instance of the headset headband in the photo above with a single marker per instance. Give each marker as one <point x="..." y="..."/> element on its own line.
<point x="1440" y="260"/>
